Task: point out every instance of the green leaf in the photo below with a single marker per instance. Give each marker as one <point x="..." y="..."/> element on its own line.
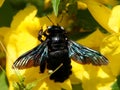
<point x="3" y="81"/>
<point x="116" y="85"/>
<point x="6" y="13"/>
<point x="55" y="5"/>
<point x="72" y="8"/>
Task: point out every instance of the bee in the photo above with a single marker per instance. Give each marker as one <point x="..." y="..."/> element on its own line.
<point x="58" y="49"/>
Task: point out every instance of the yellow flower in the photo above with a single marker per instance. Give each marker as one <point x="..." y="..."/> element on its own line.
<point x="109" y="47"/>
<point x="100" y="12"/>
<point x="111" y="44"/>
<point x="102" y="78"/>
<point x="114" y="20"/>
<point x="94" y="77"/>
<point x="16" y="38"/>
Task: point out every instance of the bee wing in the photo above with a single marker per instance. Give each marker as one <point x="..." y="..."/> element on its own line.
<point x="84" y="55"/>
<point x="32" y="57"/>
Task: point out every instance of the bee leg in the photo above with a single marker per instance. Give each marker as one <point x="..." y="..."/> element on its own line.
<point x="42" y="66"/>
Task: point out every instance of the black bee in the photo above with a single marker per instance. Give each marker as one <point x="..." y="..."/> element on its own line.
<point x="57" y="49"/>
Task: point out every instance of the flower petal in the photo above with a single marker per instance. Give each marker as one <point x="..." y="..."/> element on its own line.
<point x="77" y="73"/>
<point x="111" y="48"/>
<point x="1" y="2"/>
<point x="100" y="12"/>
<point x="114" y="20"/>
<point x="95" y="37"/>
<point x="16" y="40"/>
<point x="21" y="37"/>
<point x="99" y="78"/>
<point x="111" y="45"/>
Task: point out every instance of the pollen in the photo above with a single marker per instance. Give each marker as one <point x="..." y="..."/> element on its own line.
<point x="43" y="37"/>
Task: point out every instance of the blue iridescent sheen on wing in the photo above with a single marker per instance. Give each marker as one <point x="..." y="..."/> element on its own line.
<point x="84" y="55"/>
<point x="32" y="57"/>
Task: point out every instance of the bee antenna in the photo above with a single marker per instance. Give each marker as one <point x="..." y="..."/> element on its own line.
<point x="50" y="19"/>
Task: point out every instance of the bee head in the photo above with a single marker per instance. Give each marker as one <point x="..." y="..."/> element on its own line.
<point x="55" y="28"/>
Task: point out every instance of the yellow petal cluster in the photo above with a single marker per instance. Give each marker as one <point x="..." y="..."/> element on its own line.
<point x="111" y="44"/>
<point x="104" y="77"/>
<point x="94" y="77"/>
<point x="114" y="21"/>
<point x="100" y="12"/>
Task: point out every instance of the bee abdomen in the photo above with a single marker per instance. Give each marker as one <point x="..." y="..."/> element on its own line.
<point x="54" y="61"/>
